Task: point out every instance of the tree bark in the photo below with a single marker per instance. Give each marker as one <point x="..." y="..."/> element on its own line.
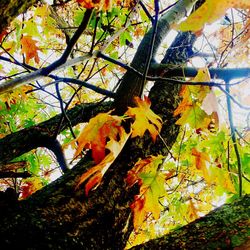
<point x="20" y="142"/>
<point x="226" y="227"/>
<point x="11" y="9"/>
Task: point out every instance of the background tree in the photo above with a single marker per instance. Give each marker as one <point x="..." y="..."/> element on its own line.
<point x="66" y="64"/>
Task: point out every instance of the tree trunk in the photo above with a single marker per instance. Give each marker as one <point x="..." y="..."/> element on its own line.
<point x="224" y="228"/>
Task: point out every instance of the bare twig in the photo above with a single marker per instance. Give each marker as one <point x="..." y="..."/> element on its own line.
<point x="233" y="136"/>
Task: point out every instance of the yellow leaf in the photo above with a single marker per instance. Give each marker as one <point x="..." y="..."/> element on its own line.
<point x="42" y="11"/>
<point x="145" y="119"/>
<point x="200" y="91"/>
<point x="201" y="157"/>
<point x="192" y="97"/>
<point x="203" y="75"/>
<point x="209" y="12"/>
<point x="9" y="46"/>
<point x="29" y="48"/>
<point x="16" y="94"/>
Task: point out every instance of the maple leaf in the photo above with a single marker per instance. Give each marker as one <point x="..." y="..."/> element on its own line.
<point x="210" y="104"/>
<point x="195" y="117"/>
<point x="95" y="134"/>
<point x="29" y="48"/>
<point x="192" y="98"/>
<point x="200" y="162"/>
<point x="88" y="4"/>
<point x="94" y="175"/>
<point x="145" y="119"/>
<point x="16" y="94"/>
<point x="200" y="158"/>
<point x="209" y="12"/>
<point x="103" y="4"/>
<point x="138" y="210"/>
<point x="151" y="182"/>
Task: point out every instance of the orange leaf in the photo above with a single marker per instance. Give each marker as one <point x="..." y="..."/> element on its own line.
<point x="95" y="134"/>
<point x="2" y="35"/>
<point x="94" y="181"/>
<point x="185" y="104"/>
<point x="101" y="4"/>
<point x="145" y="119"/>
<point x="29" y="48"/>
<point x="88" y="4"/>
<point x="192" y="211"/>
<point x="96" y="173"/>
<point x="200" y="158"/>
<point x="200" y="163"/>
<point x="139" y="214"/>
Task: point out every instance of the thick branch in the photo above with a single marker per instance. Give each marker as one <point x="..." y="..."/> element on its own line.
<point x="18" y="143"/>
<point x="224" y="228"/>
<point x="218" y="73"/>
<point x="132" y="85"/>
<point x="11" y="174"/>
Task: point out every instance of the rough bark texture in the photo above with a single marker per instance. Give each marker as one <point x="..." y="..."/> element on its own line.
<point x="132" y="84"/>
<point x="227" y="227"/>
<point x="9" y="9"/>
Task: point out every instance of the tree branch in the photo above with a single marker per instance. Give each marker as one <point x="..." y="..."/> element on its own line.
<point x="40" y="73"/>
<point x="218" y="73"/>
<point x="18" y="143"/>
<point x="10" y="174"/>
<point x="131" y="85"/>
<point x="233" y="136"/>
<point x="11" y="9"/>
<point x="22" y="79"/>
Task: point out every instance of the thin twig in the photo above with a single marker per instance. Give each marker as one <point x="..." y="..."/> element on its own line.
<point x="233" y="136"/>
<point x="146" y="12"/>
<point x="152" y="41"/>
